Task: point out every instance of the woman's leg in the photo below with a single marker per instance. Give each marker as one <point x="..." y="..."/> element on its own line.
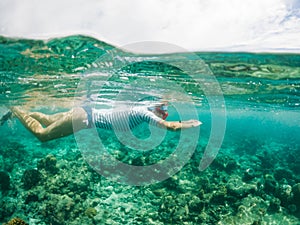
<point x="62" y="127"/>
<point x="45" y="119"/>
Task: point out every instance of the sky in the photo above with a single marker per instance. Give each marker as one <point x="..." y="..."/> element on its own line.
<point x="194" y="25"/>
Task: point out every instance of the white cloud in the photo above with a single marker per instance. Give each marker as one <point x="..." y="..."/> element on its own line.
<point x="195" y="24"/>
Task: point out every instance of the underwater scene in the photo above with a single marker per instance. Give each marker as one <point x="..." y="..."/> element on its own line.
<point x="241" y="166"/>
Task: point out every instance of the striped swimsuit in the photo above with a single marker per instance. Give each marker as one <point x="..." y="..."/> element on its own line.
<point x="122" y="120"/>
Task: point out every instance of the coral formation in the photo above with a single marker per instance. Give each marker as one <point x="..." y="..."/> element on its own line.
<point x="238" y="188"/>
<point x="49" y="164"/>
<point x="7" y="208"/>
<point x="30" y="178"/>
<point x="12" y="153"/>
<point x="296" y="194"/>
<point x="90" y="212"/>
<point x="16" y="221"/>
<point x="4" y="181"/>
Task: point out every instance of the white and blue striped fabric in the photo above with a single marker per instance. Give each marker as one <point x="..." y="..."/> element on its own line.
<point x="123" y="119"/>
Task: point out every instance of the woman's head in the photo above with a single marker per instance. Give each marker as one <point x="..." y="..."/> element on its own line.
<point x="160" y="110"/>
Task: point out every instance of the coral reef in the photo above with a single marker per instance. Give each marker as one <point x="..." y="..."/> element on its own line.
<point x="30" y="178"/>
<point x="90" y="212"/>
<point x="12" y="153"/>
<point x="236" y="187"/>
<point x="4" y="181"/>
<point x="296" y="194"/>
<point x="16" y="221"/>
<point x="7" y="208"/>
<point x="58" y="209"/>
<point x="233" y="190"/>
<point x="49" y="164"/>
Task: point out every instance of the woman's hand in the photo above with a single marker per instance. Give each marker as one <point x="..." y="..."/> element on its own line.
<point x="174" y="125"/>
<point x="190" y="123"/>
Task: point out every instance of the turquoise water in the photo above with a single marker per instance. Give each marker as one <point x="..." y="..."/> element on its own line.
<point x="254" y="179"/>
